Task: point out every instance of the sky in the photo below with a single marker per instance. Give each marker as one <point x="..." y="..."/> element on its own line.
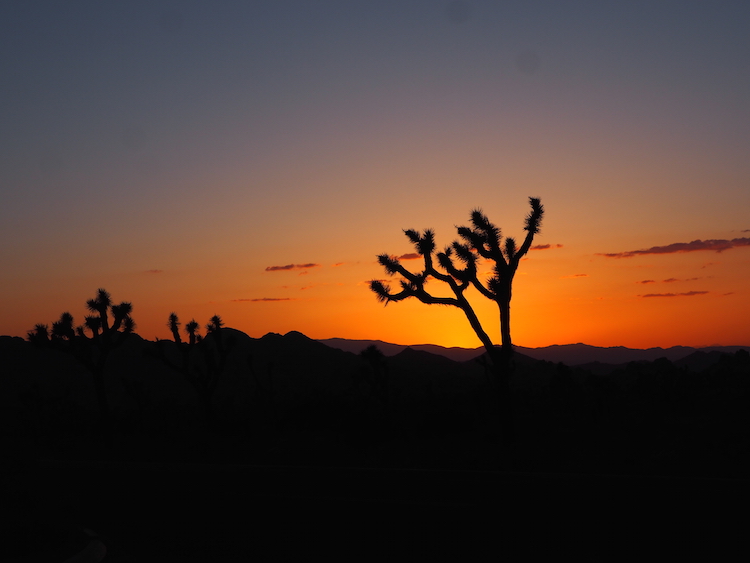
<point x="251" y="159"/>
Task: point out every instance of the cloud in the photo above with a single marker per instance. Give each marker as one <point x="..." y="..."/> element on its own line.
<point x="262" y="299"/>
<point x="718" y="245"/>
<point x="686" y="294"/>
<point x="337" y="264"/>
<point x="291" y="267"/>
<point x="408" y="256"/>
<point x="154" y="271"/>
<point x="745" y="231"/>
<point x="669" y="280"/>
<point x="545" y="246"/>
<point x="574" y="276"/>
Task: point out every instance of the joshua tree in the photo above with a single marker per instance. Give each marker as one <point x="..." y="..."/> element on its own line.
<point x="100" y="304"/>
<point x="214" y="324"/>
<point x="192" y="331"/>
<point x="174" y="327"/>
<point x="91" y="351"/>
<point x="39" y="334"/>
<point x="202" y="375"/>
<point x="63" y="329"/>
<point x="458" y="269"/>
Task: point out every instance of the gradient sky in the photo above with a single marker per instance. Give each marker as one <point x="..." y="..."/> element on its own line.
<point x="175" y="153"/>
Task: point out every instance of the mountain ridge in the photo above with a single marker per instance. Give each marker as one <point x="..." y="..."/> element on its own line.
<point x="570" y="354"/>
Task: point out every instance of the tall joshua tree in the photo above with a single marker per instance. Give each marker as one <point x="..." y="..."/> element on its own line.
<point x="457" y="268"/>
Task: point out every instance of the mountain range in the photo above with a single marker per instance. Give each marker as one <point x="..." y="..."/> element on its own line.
<point x="595" y="358"/>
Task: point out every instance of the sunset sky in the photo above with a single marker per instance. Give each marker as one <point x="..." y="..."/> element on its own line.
<point x="251" y="159"/>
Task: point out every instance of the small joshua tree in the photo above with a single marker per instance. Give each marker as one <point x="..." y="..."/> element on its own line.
<point x="457" y="267"/>
<point x="203" y="375"/>
<point x="192" y="331"/>
<point x="174" y="327"/>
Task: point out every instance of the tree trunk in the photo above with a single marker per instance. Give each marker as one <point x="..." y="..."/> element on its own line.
<point x="503" y="369"/>
<point x="504" y="305"/>
<point x="105" y="418"/>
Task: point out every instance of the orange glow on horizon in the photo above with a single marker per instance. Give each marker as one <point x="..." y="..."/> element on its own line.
<point x="609" y="306"/>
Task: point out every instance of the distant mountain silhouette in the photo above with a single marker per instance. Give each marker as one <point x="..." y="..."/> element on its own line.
<point x="455" y="353"/>
<point x="597" y="359"/>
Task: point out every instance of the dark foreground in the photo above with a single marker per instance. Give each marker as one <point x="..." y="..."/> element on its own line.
<point x="192" y="512"/>
<point x="307" y="451"/>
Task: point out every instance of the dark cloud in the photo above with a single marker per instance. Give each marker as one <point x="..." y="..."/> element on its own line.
<point x="262" y="299"/>
<point x="575" y="276"/>
<point x="669" y="280"/>
<point x="718" y="245"/>
<point x="154" y="271"/>
<point x="408" y="256"/>
<point x="337" y="264"/>
<point x="291" y="267"/>
<point x="545" y="246"/>
<point x="686" y="294"/>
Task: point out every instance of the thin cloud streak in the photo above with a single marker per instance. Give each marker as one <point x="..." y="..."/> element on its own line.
<point x="291" y="267"/>
<point x="154" y="271"/>
<point x="668" y="280"/>
<point x="408" y="256"/>
<point x="262" y="299"/>
<point x="545" y="246"/>
<point x="717" y="245"/>
<point x="685" y="294"/>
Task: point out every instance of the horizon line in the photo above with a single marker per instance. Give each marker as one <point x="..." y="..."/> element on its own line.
<point x="442" y="346"/>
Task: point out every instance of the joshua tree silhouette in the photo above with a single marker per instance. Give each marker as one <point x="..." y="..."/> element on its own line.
<point x="203" y="375"/>
<point x="174" y="327"/>
<point x="483" y="240"/>
<point x="192" y="331"/>
<point x="91" y="351"/>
